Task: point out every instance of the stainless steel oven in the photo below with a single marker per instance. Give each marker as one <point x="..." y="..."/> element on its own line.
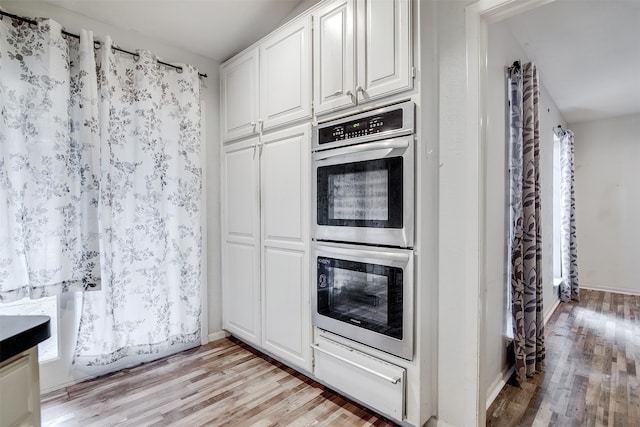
<point x="363" y="186"/>
<point x="365" y="294"/>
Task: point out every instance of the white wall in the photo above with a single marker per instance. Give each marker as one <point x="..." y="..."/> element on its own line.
<point x="132" y="40"/>
<point x="457" y="350"/>
<point x="503" y="51"/>
<point x="607" y="193"/>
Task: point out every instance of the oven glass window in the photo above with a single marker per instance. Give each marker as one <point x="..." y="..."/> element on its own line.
<point x="364" y="295"/>
<point x="361" y="194"/>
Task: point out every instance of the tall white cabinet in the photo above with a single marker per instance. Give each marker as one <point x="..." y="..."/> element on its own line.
<point x="285" y="164"/>
<point x="362" y="52"/>
<point x="241" y="240"/>
<point x="265" y="268"/>
<point x="340" y="54"/>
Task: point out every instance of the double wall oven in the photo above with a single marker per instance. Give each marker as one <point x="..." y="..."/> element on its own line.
<point x="363" y="228"/>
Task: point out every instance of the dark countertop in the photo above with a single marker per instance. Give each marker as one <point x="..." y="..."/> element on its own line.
<point x="20" y="333"/>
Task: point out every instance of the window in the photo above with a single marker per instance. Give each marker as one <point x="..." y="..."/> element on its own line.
<point x="557" y="200"/>
<point x="48" y="306"/>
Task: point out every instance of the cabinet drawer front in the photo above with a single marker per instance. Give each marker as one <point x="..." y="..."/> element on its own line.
<point x="369" y="380"/>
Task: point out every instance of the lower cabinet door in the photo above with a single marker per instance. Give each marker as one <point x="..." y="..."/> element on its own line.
<point x="285" y="203"/>
<point x="20" y="390"/>
<point x="374" y="382"/>
<point x="241" y="240"/>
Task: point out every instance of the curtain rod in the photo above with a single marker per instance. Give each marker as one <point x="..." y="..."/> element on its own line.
<point x="96" y="43"/>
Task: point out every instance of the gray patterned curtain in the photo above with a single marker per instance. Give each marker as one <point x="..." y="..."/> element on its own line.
<point x="526" y="237"/>
<point x="569" y="287"/>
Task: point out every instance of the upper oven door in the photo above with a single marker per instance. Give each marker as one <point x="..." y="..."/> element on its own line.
<point x="364" y="193"/>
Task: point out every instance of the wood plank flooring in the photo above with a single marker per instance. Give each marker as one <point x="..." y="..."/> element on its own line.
<point x="591" y="370"/>
<point x="590" y="379"/>
<point x="224" y="383"/>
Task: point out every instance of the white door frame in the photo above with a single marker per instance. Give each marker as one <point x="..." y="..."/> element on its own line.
<point x="478" y="17"/>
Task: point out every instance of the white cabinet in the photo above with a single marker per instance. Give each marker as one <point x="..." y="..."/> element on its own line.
<point x="384" y="48"/>
<point x="266" y="242"/>
<point x="239" y="96"/>
<point x="381" y="33"/>
<point x="285" y="189"/>
<point x="285" y="75"/>
<point x="269" y="85"/>
<point x="333" y="56"/>
<point x="20" y="390"/>
<point x="241" y="240"/>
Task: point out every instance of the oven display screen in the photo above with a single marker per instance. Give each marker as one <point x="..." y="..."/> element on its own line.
<point x="377" y="123"/>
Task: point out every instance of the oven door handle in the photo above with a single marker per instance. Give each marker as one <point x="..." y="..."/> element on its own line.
<point x="392" y="380"/>
<point x="392" y="256"/>
<point x="361" y="148"/>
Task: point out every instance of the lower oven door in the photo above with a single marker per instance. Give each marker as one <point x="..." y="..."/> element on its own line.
<point x="364" y="193"/>
<point x="365" y="294"/>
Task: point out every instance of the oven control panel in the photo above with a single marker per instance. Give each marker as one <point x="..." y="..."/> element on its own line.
<point x="392" y="121"/>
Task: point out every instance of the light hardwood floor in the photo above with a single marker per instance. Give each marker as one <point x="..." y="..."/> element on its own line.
<point x="591" y="369"/>
<point x="590" y="379"/>
<point x="224" y="383"/>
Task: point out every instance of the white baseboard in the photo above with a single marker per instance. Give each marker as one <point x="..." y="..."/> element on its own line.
<point x="604" y="288"/>
<point x="435" y="422"/>
<point x="498" y="384"/>
<point x="218" y="335"/>
<point x="66" y="384"/>
<point x="549" y="313"/>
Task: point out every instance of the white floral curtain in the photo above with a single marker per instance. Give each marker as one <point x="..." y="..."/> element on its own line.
<point x="525" y="233"/>
<point x="150" y="211"/>
<point x="48" y="161"/>
<point x="100" y="187"/>
<point x="569" y="289"/>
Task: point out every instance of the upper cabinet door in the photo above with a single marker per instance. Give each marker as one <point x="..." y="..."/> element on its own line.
<point x="239" y="95"/>
<point x="333" y="56"/>
<point x="285" y="74"/>
<point x="384" y="48"/>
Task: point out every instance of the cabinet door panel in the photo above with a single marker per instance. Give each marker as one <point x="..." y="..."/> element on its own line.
<point x="241" y="190"/>
<point x="241" y="298"/>
<point x="285" y="199"/>
<point x="285" y="75"/>
<point x="20" y="390"/>
<point x="384" y="48"/>
<point x="241" y="240"/>
<point x="282" y="186"/>
<point x="333" y="50"/>
<point x="286" y="305"/>
<point x="239" y="96"/>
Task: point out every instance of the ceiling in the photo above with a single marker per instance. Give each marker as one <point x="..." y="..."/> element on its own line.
<point x="587" y="53"/>
<point x="216" y="29"/>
